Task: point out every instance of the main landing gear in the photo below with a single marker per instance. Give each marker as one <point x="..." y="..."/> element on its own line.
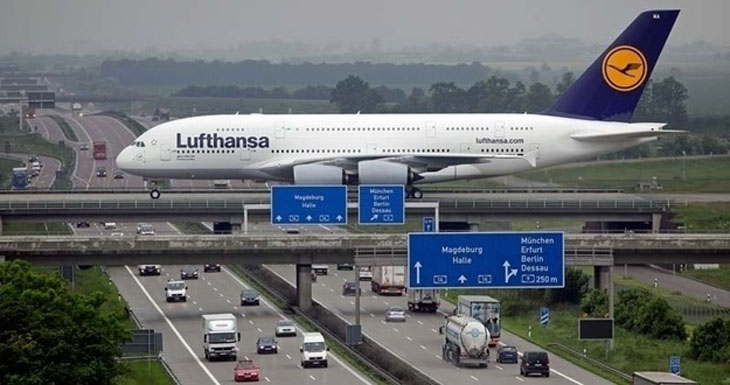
<point x="155" y="193"/>
<point x="412" y="192"/>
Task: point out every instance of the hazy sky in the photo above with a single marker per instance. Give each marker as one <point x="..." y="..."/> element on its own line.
<point x="82" y="26"/>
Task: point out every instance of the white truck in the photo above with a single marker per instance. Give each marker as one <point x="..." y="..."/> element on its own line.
<point x="313" y="351"/>
<point x="389" y="280"/>
<point x="220" y="335"/>
<point x="466" y="341"/>
<point x="486" y="309"/>
<point x="424" y="300"/>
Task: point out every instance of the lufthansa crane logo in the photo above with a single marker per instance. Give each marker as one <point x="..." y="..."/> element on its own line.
<point x="624" y="68"/>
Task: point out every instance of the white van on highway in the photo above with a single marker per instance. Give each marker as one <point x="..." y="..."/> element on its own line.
<point x="110" y="225"/>
<point x="313" y="350"/>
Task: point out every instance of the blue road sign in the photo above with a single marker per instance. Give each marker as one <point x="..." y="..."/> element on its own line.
<point x="382" y="204"/>
<point x="486" y="260"/>
<point x="544" y="316"/>
<point x="309" y="205"/>
<point x="674" y="366"/>
<point x="428" y="225"/>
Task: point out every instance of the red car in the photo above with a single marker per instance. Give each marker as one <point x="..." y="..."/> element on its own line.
<point x="246" y="370"/>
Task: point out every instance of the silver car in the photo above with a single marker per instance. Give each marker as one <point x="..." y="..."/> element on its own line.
<point x="395" y="314"/>
<point x="285" y="328"/>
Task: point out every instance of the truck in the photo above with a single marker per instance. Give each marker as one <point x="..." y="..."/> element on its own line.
<point x="313" y="350"/>
<point x="20" y="178"/>
<point x="76" y="108"/>
<point x="220" y="335"/>
<point x="424" y="300"/>
<point x="486" y="309"/>
<point x="466" y="341"/>
<point x="389" y="280"/>
<point x="100" y="150"/>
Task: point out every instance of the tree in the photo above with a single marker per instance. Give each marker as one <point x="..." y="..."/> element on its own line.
<point x="663" y="102"/>
<point x="576" y="286"/>
<point x="656" y="318"/>
<point x="565" y="82"/>
<point x="448" y="97"/>
<point x="355" y="95"/>
<point x="53" y="336"/>
<point x="595" y="304"/>
<point x="538" y="98"/>
<point x="711" y="341"/>
<point x="627" y="303"/>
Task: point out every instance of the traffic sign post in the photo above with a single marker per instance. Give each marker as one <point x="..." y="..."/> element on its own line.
<point x="309" y="205"/>
<point x="428" y="225"/>
<point x="674" y="366"/>
<point x="486" y="260"/>
<point x="381" y="204"/>
<point x="544" y="316"/>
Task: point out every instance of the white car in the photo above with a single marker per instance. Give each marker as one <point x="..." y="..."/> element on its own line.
<point x="176" y="291"/>
<point x="285" y="328"/>
<point x="320" y="269"/>
<point x="145" y="229"/>
<point x="395" y="314"/>
<point x="365" y="273"/>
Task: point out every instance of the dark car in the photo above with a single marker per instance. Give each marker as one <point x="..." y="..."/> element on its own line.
<point x="349" y="288"/>
<point x="266" y="345"/>
<point x="82" y="224"/>
<point x="345" y="266"/>
<point x="535" y="362"/>
<point x="249" y="297"/>
<point x="189" y="272"/>
<point x="118" y="175"/>
<point x="212" y="267"/>
<point x="507" y="355"/>
<point x="101" y="172"/>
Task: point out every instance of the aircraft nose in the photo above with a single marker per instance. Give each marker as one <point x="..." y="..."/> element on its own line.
<point x="125" y="160"/>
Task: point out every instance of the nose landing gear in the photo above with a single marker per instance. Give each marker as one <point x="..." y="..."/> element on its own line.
<point x="412" y="192"/>
<point x="155" y="193"/>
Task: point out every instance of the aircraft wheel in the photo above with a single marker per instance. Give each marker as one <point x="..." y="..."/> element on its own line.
<point x="155" y="194"/>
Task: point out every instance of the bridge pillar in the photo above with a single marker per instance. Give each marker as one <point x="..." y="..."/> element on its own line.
<point x="304" y="286"/>
<point x="601" y="277"/>
<point x="474" y="227"/>
<point x="656" y="222"/>
<point x="1" y="225"/>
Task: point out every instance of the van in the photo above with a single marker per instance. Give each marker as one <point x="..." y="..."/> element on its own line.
<point x="535" y="362"/>
<point x="110" y="225"/>
<point x="313" y="350"/>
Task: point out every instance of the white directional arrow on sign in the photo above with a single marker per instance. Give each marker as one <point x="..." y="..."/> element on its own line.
<point x="418" y="267"/>
<point x="339" y="218"/>
<point x="374" y="217"/>
<point x="461" y="279"/>
<point x="508" y="273"/>
<point x="309" y="218"/>
<point x="278" y="218"/>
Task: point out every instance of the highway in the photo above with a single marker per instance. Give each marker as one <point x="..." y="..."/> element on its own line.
<point x="417" y="340"/>
<point x="47" y="175"/>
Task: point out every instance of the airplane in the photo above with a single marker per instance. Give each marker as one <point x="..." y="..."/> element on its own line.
<point x="591" y="118"/>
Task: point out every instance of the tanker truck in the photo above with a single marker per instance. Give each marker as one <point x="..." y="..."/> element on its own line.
<point x="465" y="341"/>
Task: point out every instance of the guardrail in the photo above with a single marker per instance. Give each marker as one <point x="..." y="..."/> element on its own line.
<point x="592" y="361"/>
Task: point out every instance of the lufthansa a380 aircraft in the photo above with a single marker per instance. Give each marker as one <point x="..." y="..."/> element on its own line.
<point x="591" y="118"/>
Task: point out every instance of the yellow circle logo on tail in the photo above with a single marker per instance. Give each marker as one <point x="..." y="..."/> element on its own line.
<point x="624" y="68"/>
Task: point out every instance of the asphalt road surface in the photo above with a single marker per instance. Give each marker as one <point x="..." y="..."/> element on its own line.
<point x="676" y="282"/>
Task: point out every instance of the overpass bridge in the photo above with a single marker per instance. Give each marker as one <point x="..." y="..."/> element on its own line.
<point x="599" y="250"/>
<point x="251" y="205"/>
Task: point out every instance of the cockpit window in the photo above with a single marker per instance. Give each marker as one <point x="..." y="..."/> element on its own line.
<point x="138" y="143"/>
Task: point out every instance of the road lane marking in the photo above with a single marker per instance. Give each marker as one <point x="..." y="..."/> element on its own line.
<point x="382" y="322"/>
<point x="519" y="378"/>
<point x="195" y="303"/>
<point x="422" y="347"/>
<point x="386" y="304"/>
<point x="267" y="379"/>
<point x="221" y="294"/>
<point x="228" y="300"/>
<point x="174" y="329"/>
<point x="332" y="290"/>
<point x="278" y="311"/>
<point x="435" y="331"/>
<point x="251" y="322"/>
<point x="498" y="367"/>
<point x="208" y="283"/>
<point x="215" y="289"/>
<point x="474" y="378"/>
<point x="372" y="315"/>
<point x="352" y="303"/>
<point x="312" y="377"/>
<point x="288" y="357"/>
<point x="419" y="322"/>
<point x="437" y="356"/>
<point x="259" y="329"/>
<point x="409" y="338"/>
<point x="396" y="330"/>
<point x="201" y="309"/>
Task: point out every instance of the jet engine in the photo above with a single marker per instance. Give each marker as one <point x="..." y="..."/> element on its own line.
<point x="319" y="174"/>
<point x="383" y="172"/>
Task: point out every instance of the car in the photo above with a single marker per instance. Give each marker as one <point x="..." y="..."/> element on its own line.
<point x="320" y="269"/>
<point x="117" y="234"/>
<point x="350" y="287"/>
<point x="32" y="158"/>
<point x="176" y="291"/>
<point x="266" y="344"/>
<point x="395" y="314"/>
<point x="149" y="269"/>
<point x="189" y="272"/>
<point x="246" y="370"/>
<point x="535" y="362"/>
<point x="285" y="328"/>
<point x="82" y="224"/>
<point x="292" y="231"/>
<point x="249" y="297"/>
<point x="145" y="229"/>
<point x="110" y="225"/>
<point x="101" y="172"/>
<point x="345" y="266"/>
<point x="118" y="175"/>
<point x="507" y="354"/>
<point x="84" y="147"/>
<point x="365" y="273"/>
<point x="212" y="267"/>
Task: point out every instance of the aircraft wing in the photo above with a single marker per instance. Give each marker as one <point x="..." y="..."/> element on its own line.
<point x="637" y="130"/>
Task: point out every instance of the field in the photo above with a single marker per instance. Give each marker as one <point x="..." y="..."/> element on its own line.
<point x="696" y="174"/>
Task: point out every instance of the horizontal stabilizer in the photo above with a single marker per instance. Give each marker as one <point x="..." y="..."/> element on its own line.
<point x="613" y="136"/>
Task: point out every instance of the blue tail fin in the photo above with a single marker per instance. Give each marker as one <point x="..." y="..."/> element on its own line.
<point x="611" y="87"/>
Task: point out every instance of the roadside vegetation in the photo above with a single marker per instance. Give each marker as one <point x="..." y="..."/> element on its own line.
<point x="51" y="228"/>
<point x="6" y="172"/>
<point x="189" y="106"/>
<point x="648" y="328"/>
<point x="68" y="132"/>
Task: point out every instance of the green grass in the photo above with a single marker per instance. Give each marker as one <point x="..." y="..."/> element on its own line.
<point x="702" y="175"/>
<point x="95" y="280"/>
<point x="14" y="228"/>
<point x="6" y="172"/>
<point x="35" y="144"/>
<point x="68" y="132"/>
<point x="143" y="372"/>
<point x="631" y="352"/>
<point x="719" y="277"/>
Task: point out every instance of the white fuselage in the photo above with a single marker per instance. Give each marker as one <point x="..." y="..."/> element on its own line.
<point x="265" y="147"/>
